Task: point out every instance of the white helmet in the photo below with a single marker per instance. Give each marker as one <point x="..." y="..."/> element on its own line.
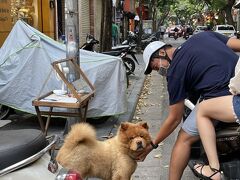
<point x="148" y="51"/>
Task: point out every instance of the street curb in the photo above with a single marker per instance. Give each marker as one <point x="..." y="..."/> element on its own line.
<point x="133" y="99"/>
<point x="138" y="96"/>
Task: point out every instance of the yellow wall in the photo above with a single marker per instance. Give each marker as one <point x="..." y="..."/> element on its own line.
<point x="46" y="18"/>
<point x="5" y="20"/>
<point x="43" y="18"/>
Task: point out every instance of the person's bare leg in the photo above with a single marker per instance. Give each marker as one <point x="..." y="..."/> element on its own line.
<point x="216" y="108"/>
<point x="208" y="137"/>
<point x="180" y="155"/>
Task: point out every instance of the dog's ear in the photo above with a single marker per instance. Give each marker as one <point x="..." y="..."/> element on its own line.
<point x="144" y="125"/>
<point x="124" y="126"/>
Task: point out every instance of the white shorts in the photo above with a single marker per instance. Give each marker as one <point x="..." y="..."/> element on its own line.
<point x="190" y="125"/>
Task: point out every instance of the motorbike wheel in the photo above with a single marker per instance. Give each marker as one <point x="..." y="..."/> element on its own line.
<point x="130" y="65"/>
<point x="4" y="111"/>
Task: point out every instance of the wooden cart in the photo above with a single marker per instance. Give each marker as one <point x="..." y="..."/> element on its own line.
<point x="75" y="103"/>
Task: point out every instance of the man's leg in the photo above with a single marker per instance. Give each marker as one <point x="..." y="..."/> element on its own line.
<point x="180" y="154"/>
<point x="182" y="148"/>
<point x="113" y="41"/>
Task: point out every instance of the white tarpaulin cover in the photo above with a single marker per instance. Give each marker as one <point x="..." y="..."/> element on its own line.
<point x="25" y="63"/>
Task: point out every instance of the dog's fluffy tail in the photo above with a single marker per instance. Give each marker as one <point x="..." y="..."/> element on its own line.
<point x="80" y="133"/>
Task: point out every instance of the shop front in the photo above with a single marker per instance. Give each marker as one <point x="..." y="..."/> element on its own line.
<point x="40" y="14"/>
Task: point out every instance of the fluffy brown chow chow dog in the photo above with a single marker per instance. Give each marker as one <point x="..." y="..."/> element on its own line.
<point x="112" y="159"/>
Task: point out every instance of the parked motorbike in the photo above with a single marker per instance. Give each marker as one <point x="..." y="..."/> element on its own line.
<point x="128" y="62"/>
<point x="131" y="51"/>
<point x="228" y="146"/>
<point x="175" y="35"/>
<point x="132" y="38"/>
<point x="186" y="35"/>
<point x="121" y="51"/>
<point x="5" y="111"/>
<point x="90" y="43"/>
<point x="116" y="51"/>
<point x="145" y="42"/>
<point x="28" y="154"/>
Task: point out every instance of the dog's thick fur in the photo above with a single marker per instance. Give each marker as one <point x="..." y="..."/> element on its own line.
<point x="112" y="159"/>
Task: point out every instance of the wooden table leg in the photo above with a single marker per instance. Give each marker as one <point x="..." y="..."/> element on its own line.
<point x="40" y="119"/>
<point x="48" y="121"/>
<point x="80" y="114"/>
<point x="85" y="112"/>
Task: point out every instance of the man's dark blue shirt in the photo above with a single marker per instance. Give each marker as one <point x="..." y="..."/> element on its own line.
<point x="204" y="65"/>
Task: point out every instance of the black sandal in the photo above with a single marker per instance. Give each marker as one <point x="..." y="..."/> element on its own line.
<point x="200" y="175"/>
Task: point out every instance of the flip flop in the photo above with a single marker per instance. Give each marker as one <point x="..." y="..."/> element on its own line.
<point x="200" y="175"/>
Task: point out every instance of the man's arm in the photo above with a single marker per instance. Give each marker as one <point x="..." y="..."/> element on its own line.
<point x="169" y="125"/>
<point x="173" y="120"/>
<point x="234" y="44"/>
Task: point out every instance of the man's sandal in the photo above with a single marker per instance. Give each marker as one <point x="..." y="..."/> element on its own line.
<point x="200" y="175"/>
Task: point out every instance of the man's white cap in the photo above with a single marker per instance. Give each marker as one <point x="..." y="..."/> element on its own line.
<point x="136" y="18"/>
<point x="148" y="51"/>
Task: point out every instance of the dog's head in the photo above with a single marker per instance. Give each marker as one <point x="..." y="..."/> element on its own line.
<point x="135" y="136"/>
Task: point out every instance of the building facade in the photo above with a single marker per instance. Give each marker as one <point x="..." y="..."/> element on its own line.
<point x="48" y="16"/>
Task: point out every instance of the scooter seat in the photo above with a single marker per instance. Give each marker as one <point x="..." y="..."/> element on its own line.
<point x="117" y="48"/>
<point x="17" y="145"/>
<point x="227" y="129"/>
<point x="228" y="132"/>
<point x="112" y="53"/>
